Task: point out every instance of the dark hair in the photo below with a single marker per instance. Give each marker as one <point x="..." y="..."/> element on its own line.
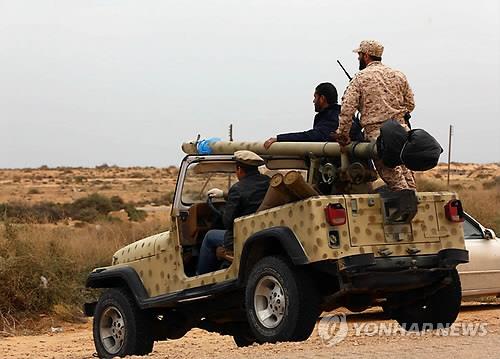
<point x="329" y="91"/>
<point x="246" y="168"/>
<point x="375" y="58"/>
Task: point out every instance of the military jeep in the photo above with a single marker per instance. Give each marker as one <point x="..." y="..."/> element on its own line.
<point x="331" y="241"/>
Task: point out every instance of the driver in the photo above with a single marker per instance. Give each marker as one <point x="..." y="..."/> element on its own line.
<point x="244" y="197"/>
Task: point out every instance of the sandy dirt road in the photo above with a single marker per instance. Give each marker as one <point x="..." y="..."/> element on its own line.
<point x="76" y="342"/>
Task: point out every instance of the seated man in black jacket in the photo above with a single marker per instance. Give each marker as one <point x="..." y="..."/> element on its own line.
<point x="244" y="197"/>
<point x="325" y="122"/>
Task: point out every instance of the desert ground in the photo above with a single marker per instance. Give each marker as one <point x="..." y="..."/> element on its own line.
<point x="75" y="342"/>
<point x="138" y="184"/>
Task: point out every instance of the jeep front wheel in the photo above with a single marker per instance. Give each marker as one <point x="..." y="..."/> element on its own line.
<point x="281" y="301"/>
<point x="120" y="327"/>
<point x="243" y="337"/>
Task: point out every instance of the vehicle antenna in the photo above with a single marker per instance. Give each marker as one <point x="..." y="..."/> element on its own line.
<point x="230" y="140"/>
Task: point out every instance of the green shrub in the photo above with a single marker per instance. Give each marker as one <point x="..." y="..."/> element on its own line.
<point x="90" y="208"/>
<point x="79" y="179"/>
<point x="87" y="209"/>
<point x="44" y="212"/>
<point x="135" y="214"/>
<point x="87" y="214"/>
<point x="117" y="203"/>
<point x="104" y="166"/>
<point x="48" y="212"/>
<point x="137" y="175"/>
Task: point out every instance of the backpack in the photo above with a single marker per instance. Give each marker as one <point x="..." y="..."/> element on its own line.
<point x="416" y="149"/>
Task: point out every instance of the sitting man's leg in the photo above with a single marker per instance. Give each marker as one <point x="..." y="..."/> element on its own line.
<point x="208" y="261"/>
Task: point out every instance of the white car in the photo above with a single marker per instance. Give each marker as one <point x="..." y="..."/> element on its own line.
<point x="481" y="276"/>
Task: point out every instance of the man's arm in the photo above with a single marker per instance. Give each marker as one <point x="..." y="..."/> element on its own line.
<point x="409" y="100"/>
<point x="231" y="207"/>
<point x="325" y="122"/>
<point x="350" y="103"/>
<point x="312" y="135"/>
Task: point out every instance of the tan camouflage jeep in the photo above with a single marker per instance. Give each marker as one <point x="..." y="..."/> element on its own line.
<point x="322" y="239"/>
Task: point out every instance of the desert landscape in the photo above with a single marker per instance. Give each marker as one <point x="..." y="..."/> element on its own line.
<point x="78" y="217"/>
<point x="477" y="184"/>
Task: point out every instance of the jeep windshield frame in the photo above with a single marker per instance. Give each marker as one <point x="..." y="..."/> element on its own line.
<point x="275" y="163"/>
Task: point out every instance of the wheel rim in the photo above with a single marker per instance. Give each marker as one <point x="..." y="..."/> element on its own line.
<point x="112" y="330"/>
<point x="269" y="302"/>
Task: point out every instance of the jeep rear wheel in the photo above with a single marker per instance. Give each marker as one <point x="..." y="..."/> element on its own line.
<point x="439" y="310"/>
<point x="120" y="327"/>
<point x="281" y="301"/>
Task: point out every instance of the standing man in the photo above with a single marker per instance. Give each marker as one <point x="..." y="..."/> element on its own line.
<point x="244" y="197"/>
<point x="326" y="120"/>
<point x="379" y="93"/>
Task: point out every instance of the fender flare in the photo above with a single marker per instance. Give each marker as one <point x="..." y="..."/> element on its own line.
<point x="118" y="277"/>
<point x="283" y="236"/>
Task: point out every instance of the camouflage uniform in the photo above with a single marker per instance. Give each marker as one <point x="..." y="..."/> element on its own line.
<point x="379" y="93"/>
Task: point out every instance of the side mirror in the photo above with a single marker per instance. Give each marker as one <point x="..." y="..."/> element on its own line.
<point x="489" y="233"/>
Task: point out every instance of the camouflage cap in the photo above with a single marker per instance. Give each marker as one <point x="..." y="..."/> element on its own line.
<point x="248" y="158"/>
<point x="370" y="47"/>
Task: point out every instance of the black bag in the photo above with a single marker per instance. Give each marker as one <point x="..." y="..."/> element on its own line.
<point x="416" y="149"/>
<point x="421" y="151"/>
<point x="390" y="142"/>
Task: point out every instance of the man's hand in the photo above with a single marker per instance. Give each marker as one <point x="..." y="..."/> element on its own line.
<point x="343" y="140"/>
<point x="215" y="193"/>
<point x="224" y="254"/>
<point x="269" y="142"/>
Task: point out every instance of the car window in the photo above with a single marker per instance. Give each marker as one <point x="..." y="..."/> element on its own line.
<point x="199" y="179"/>
<point x="471" y="231"/>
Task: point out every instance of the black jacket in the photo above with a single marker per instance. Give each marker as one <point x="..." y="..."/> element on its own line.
<point x="325" y="122"/>
<point x="244" y="198"/>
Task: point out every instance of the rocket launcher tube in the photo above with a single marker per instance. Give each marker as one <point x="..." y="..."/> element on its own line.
<point x="301" y="149"/>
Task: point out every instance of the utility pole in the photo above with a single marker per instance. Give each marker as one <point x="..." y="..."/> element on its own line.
<point x="449" y="153"/>
<point x="230" y="140"/>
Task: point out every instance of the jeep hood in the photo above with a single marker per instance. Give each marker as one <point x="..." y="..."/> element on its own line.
<point x="141" y="249"/>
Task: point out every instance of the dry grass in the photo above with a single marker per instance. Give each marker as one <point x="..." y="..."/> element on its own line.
<point x="483" y="204"/>
<point x="478" y="187"/>
<point x="63" y="256"/>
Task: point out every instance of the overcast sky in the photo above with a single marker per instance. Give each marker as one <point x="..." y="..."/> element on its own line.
<point x="122" y="82"/>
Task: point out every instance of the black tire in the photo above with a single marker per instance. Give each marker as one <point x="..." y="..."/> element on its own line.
<point x="286" y="292"/>
<point x="439" y="310"/>
<point x="128" y="328"/>
<point x="243" y="338"/>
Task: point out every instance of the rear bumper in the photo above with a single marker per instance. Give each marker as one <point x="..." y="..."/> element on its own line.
<point x="365" y="273"/>
<point x="446" y="258"/>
